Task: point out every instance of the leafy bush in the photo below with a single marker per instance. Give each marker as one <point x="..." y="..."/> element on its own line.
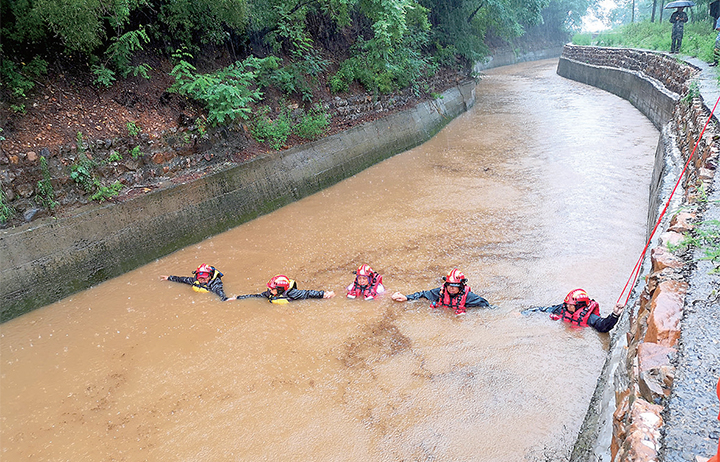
<point x="45" y="192"/>
<point x="274" y="132"/>
<point x="122" y="49"/>
<point x="313" y="124"/>
<point x="6" y="211"/>
<point x="103" y="75"/>
<point x="133" y="128"/>
<point x="227" y="93"/>
<point x="104" y="193"/>
<point x="20" y="80"/>
<point x="192" y="22"/>
<point x="81" y="173"/>
<point x="136" y="153"/>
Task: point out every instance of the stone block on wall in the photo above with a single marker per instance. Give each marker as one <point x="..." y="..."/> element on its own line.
<point x="665" y="313"/>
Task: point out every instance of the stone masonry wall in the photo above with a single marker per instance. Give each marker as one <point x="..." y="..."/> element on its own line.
<point x="643" y="379"/>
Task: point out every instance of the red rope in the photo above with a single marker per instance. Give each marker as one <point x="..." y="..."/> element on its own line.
<point x="636" y="270"/>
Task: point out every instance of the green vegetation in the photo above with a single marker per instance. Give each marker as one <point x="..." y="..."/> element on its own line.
<point x="104" y="193"/>
<point x="227" y="93"/>
<point x="312" y="124"/>
<point x="281" y="44"/>
<point x="698" y="38"/>
<point x="136" y="153"/>
<point x="81" y="173"/>
<point x="133" y="128"/>
<point x="45" y="192"/>
<point x="706" y="237"/>
<point x="6" y="211"/>
<point x="274" y="132"/>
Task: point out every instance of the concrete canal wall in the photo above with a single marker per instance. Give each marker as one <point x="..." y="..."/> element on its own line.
<point x="655" y="399"/>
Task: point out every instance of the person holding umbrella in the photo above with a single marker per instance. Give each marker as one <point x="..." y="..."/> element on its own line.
<point x="678" y="20"/>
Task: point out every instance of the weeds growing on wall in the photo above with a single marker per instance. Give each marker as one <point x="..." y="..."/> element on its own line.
<point x="312" y="124"/>
<point x="104" y="193"/>
<point x="273" y="131"/>
<point x="706" y="237"/>
<point x="6" y="211"/>
<point x="45" y="192"/>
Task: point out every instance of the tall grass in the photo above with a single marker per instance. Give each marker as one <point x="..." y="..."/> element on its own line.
<point x="698" y="38"/>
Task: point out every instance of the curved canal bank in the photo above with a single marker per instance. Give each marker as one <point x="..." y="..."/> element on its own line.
<point x="655" y="399"/>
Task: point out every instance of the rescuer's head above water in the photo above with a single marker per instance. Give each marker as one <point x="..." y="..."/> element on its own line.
<point x="455" y="282"/>
<point x="576" y="299"/>
<point x="367" y="284"/>
<point x="278" y="284"/>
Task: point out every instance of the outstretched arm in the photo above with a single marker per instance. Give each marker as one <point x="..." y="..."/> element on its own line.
<point x="606" y="324"/>
<point x="243" y="297"/>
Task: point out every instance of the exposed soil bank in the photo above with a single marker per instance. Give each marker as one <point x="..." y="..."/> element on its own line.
<point x="655" y="399"/>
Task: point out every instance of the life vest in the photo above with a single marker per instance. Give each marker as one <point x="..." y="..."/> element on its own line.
<point x="367" y="292"/>
<point x="198" y="286"/>
<point x="580" y="317"/>
<point x="282" y="299"/>
<point x="456" y="303"/>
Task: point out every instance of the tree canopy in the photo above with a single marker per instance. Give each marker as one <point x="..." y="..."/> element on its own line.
<point x="383" y="44"/>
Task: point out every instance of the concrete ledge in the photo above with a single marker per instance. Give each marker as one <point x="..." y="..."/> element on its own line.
<point x="510" y="57"/>
<point x="648" y="95"/>
<point x="54" y="258"/>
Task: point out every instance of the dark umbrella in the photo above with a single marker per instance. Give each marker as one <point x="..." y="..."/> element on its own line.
<point x="679" y="4"/>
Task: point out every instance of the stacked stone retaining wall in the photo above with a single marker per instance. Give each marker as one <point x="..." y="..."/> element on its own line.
<point x="634" y="396"/>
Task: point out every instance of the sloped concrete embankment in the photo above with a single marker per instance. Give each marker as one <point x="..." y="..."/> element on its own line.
<point x="655" y="399"/>
<point x="49" y="259"/>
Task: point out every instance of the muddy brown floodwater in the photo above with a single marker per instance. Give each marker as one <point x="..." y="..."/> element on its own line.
<point x="539" y="189"/>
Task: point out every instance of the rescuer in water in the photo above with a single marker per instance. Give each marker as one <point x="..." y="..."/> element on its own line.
<point x="206" y="279"/>
<point x="281" y="289"/>
<point x="454" y="294"/>
<point x="368" y="284"/>
<point x="579" y="310"/>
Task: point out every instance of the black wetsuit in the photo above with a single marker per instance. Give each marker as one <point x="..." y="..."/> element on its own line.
<point x="290" y="295"/>
<point x="215" y="285"/>
<point x="597" y="322"/>
<point x="472" y="300"/>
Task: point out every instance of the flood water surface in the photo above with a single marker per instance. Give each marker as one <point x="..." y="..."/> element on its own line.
<point x="539" y="189"/>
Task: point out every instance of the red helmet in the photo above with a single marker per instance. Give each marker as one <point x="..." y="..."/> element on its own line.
<point x="365" y="270"/>
<point x="204" y="269"/>
<point x="455" y="278"/>
<point x="280" y="282"/>
<point x="577" y="297"/>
